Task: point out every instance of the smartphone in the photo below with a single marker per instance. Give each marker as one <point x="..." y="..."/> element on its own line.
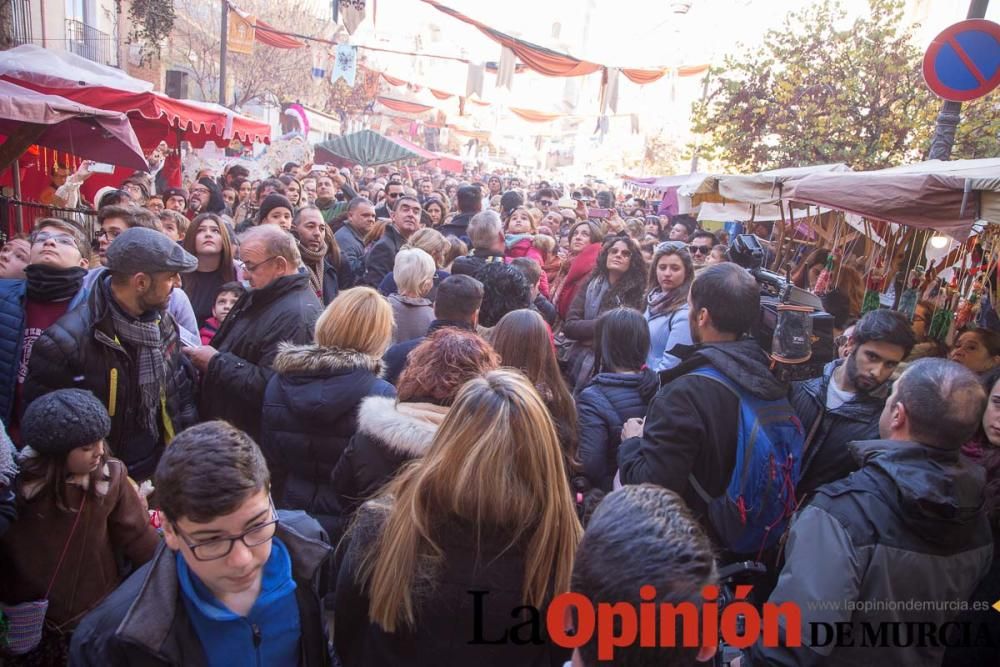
<point x="599" y="212"/>
<point x="102" y="168"/>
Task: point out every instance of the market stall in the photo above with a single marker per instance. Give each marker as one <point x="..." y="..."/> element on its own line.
<point x="154" y="117"/>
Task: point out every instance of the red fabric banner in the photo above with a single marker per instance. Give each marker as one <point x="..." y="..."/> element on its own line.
<point x="542" y="60"/>
<point x="440" y="95"/>
<point x="266" y="34"/>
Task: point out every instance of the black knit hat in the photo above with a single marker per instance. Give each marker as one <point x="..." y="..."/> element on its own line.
<point x="271" y="202"/>
<point x="59" y="422"/>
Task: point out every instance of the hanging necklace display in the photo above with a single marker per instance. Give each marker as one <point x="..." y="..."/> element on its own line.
<point x="908" y="299"/>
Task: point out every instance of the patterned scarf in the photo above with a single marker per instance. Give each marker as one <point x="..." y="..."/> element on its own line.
<point x="146" y="338"/>
<point x="314" y="264"/>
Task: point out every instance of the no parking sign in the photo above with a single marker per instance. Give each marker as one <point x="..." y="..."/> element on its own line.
<point x="963" y="62"/>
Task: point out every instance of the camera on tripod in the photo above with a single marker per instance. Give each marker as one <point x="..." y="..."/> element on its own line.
<point x="792" y="328"/>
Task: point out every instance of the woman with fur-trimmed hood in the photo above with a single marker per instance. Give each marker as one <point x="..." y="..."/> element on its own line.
<point x="311" y="403"/>
<point x="392" y="432"/>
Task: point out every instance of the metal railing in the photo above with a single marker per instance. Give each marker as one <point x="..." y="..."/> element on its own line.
<point x="89" y="42"/>
<point x="18" y="217"/>
<point x="20" y="29"/>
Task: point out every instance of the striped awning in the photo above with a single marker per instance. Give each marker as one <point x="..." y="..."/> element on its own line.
<point x="366" y="148"/>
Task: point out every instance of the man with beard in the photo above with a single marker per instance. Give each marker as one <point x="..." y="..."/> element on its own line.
<point x="844" y="404"/>
<point x="122" y="345"/>
<point x="322" y="265"/>
<point x="691" y="430"/>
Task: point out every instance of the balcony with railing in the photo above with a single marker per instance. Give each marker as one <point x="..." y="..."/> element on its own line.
<point x="89" y="42"/>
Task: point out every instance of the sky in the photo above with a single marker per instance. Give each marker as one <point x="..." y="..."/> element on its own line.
<point x="622" y="33"/>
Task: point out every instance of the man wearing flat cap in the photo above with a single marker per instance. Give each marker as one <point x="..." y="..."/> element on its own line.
<point x="123" y="346"/>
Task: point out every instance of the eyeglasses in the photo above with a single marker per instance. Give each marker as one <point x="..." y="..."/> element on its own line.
<point x="220" y="547"/>
<point x="626" y="253"/>
<point x="250" y="268"/>
<point x="111" y="234"/>
<point x="61" y="239"/>
<point x="699" y="249"/>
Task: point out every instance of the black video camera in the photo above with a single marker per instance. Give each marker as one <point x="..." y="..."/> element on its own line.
<point x="813" y="338"/>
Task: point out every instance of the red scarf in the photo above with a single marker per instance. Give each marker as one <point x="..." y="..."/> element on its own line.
<point x="579" y="270"/>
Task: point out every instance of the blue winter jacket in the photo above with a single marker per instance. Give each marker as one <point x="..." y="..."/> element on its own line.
<point x="665" y="332"/>
<point x="12" y="294"/>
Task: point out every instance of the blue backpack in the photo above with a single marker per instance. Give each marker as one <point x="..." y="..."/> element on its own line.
<point x="760" y="498"/>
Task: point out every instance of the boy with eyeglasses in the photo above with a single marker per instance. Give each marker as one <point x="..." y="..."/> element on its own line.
<point x="236" y="582"/>
<point x="58" y="258"/>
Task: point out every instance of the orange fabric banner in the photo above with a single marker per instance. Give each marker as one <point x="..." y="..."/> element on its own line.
<point x="402" y="105"/>
<point x="643" y="76"/>
<point x="691" y="70"/>
<point x="392" y="81"/>
<point x="535" y="116"/>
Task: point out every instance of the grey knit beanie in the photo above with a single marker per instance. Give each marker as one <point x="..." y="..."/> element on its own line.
<point x="61" y="421"/>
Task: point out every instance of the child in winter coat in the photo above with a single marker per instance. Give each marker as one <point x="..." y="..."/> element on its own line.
<point x="77" y="513"/>
<point x="225" y="299"/>
<point x="521" y="230"/>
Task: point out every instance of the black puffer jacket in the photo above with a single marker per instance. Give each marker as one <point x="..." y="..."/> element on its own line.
<point x="81" y="351"/>
<point x="310" y="414"/>
<point x="692" y="424"/>
<point x="827" y="457"/>
<point x="382" y="256"/>
<point x="908" y="525"/>
<point x="389" y="435"/>
<point x="233" y="388"/>
<point x="603" y="407"/>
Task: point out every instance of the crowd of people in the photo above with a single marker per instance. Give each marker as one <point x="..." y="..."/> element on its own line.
<point x="372" y="417"/>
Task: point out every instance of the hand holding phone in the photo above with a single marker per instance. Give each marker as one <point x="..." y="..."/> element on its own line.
<point x="102" y="168"/>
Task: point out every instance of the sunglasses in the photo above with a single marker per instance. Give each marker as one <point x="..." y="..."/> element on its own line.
<point x="699" y="249"/>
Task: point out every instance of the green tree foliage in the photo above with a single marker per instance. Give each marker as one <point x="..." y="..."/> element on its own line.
<point x="820" y="90"/>
<point x="151" y="22"/>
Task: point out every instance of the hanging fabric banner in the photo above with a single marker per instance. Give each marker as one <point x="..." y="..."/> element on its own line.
<point x="474" y="81"/>
<point x="403" y="106"/>
<point x="535" y="116"/>
<point x="392" y="81"/>
<point x="266" y="34"/>
<point x="320" y="60"/>
<point x="345" y="65"/>
<point x="609" y="90"/>
<point x="239" y="39"/>
<point x="352" y="13"/>
<point x="505" y="71"/>
<point x="441" y="95"/>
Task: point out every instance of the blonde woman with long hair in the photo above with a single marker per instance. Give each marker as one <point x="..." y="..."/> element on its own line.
<point x="486" y="510"/>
